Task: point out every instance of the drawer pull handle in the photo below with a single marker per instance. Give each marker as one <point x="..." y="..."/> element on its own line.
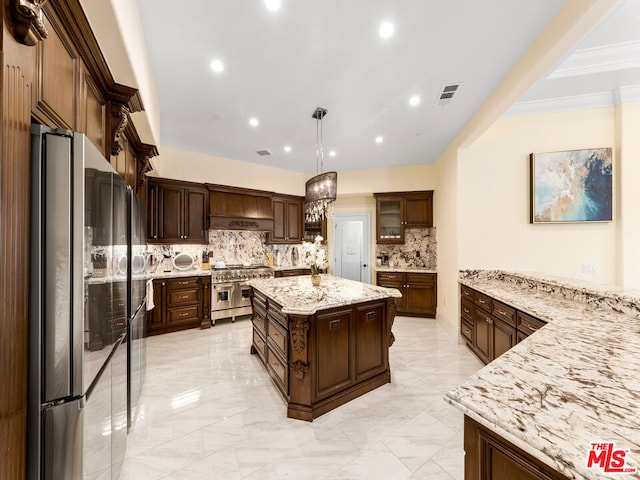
<point x="531" y="327"/>
<point x="466" y="310"/>
<point x="184" y="315"/>
<point x="502" y="313"/>
<point x="184" y="297"/>
<point x="489" y="321"/>
<point x="481" y="301"/>
<point x="371" y="316"/>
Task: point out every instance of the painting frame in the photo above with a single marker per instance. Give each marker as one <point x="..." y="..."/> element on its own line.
<point x="571" y="186"/>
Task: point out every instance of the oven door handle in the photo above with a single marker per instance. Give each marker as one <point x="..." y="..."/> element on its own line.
<point x="222" y="286"/>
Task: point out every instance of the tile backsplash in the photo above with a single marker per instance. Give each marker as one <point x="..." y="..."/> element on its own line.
<point x="240" y="247"/>
<point x="233" y="248"/>
<point x="422" y="240"/>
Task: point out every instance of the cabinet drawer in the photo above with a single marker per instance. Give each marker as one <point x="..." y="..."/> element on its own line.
<point x="466" y="292"/>
<point x="482" y="301"/>
<point x="389" y="276"/>
<point x="278" y="370"/>
<point x="259" y="345"/>
<point x="260" y="323"/>
<point x="183" y="314"/>
<point x="182" y="283"/>
<point x="278" y="336"/>
<point x="504" y="312"/>
<point x="259" y="301"/>
<point x="528" y="324"/>
<point x="466" y="309"/>
<point x="466" y="329"/>
<point x="276" y="314"/>
<point x="181" y="297"/>
<point x="418" y="278"/>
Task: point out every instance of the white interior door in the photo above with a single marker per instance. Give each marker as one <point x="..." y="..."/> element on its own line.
<point x="352" y="249"/>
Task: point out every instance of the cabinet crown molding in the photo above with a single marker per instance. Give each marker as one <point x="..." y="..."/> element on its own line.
<point x="28" y="27"/>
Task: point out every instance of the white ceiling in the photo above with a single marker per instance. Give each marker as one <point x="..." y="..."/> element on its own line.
<point x="280" y="66"/>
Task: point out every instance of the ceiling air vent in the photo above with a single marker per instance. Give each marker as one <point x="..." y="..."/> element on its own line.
<point x="446" y="96"/>
<point x="263" y="153"/>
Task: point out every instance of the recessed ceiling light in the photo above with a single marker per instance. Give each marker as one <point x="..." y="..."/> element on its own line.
<point x="332" y="153"/>
<point x="217" y="66"/>
<point x="253" y="121"/>
<point x="385" y="30"/>
<point x="273" y="5"/>
<point x="379" y="139"/>
<point x="415" y="100"/>
<point x="287" y="148"/>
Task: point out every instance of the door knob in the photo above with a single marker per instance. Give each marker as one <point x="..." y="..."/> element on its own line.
<point x="364" y="266"/>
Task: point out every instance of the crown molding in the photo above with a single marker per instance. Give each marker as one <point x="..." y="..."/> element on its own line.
<point x="610" y="98"/>
<point x="606" y="58"/>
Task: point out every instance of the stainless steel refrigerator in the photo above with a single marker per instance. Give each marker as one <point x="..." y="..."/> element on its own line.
<point x="79" y="297"/>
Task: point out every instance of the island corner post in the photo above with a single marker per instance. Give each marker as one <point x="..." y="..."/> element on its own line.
<point x="321" y="360"/>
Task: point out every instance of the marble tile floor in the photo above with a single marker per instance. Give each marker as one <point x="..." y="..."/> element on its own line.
<point x="208" y="410"/>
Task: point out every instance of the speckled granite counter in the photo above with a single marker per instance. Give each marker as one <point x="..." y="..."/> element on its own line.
<point x="574" y="382"/>
<point x="296" y="295"/>
<point x="385" y="268"/>
<point x="184" y="273"/>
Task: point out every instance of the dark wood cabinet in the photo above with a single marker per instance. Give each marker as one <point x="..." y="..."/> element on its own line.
<point x="232" y="208"/>
<point x="419" y="292"/>
<point x="177" y="212"/>
<point x="488" y="456"/>
<point x="323" y="360"/>
<point x="490" y="327"/>
<point x="180" y="303"/>
<point x="288" y="220"/>
<point x="397" y="211"/>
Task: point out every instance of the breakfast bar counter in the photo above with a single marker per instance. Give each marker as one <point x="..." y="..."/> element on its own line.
<point x="563" y="396"/>
<point x="322" y="346"/>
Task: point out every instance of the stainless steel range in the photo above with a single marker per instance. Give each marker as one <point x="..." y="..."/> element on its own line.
<point x="230" y="292"/>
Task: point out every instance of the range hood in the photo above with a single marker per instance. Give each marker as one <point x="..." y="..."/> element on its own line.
<point x="233" y="208"/>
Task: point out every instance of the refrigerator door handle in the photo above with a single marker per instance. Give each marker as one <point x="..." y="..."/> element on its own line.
<point x="78" y="267"/>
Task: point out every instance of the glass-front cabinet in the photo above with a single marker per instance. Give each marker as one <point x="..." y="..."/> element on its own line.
<point x="390" y="220"/>
<point x="397" y="211"/>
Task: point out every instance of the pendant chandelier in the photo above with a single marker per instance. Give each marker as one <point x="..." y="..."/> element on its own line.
<point x="321" y="189"/>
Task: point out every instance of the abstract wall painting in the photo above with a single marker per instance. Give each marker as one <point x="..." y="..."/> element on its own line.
<point x="572" y="186"/>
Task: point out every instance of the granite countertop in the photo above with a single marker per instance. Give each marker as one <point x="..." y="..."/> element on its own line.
<point x="573" y="383"/>
<point x="386" y="268"/>
<point x="193" y="272"/>
<point x="290" y="267"/>
<point x="296" y="295"/>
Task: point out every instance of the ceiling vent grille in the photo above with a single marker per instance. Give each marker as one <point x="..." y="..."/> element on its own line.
<point x="447" y="93"/>
<point x="263" y="153"/>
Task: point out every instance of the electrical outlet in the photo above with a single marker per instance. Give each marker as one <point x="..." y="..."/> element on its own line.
<point x="589" y="269"/>
<point x="417" y="253"/>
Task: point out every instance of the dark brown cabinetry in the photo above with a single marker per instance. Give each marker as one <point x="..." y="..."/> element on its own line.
<point x="419" y="292"/>
<point x="293" y="272"/>
<point x="488" y="456"/>
<point x="490" y="327"/>
<point x="323" y="360"/>
<point x="400" y="210"/>
<point x="180" y="303"/>
<point x="177" y="212"/>
<point x="232" y="208"/>
<point x="288" y="220"/>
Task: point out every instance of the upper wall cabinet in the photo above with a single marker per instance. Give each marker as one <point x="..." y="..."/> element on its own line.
<point x="396" y="211"/>
<point x="288" y="220"/>
<point x="177" y="212"/>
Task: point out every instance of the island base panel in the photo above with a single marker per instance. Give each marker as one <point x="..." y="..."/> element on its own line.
<point x="304" y="412"/>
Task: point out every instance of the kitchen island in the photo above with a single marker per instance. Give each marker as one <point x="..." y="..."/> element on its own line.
<point x="553" y="401"/>
<point x="322" y="346"/>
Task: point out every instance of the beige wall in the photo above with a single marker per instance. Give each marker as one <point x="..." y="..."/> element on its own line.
<point x="493" y="195"/>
